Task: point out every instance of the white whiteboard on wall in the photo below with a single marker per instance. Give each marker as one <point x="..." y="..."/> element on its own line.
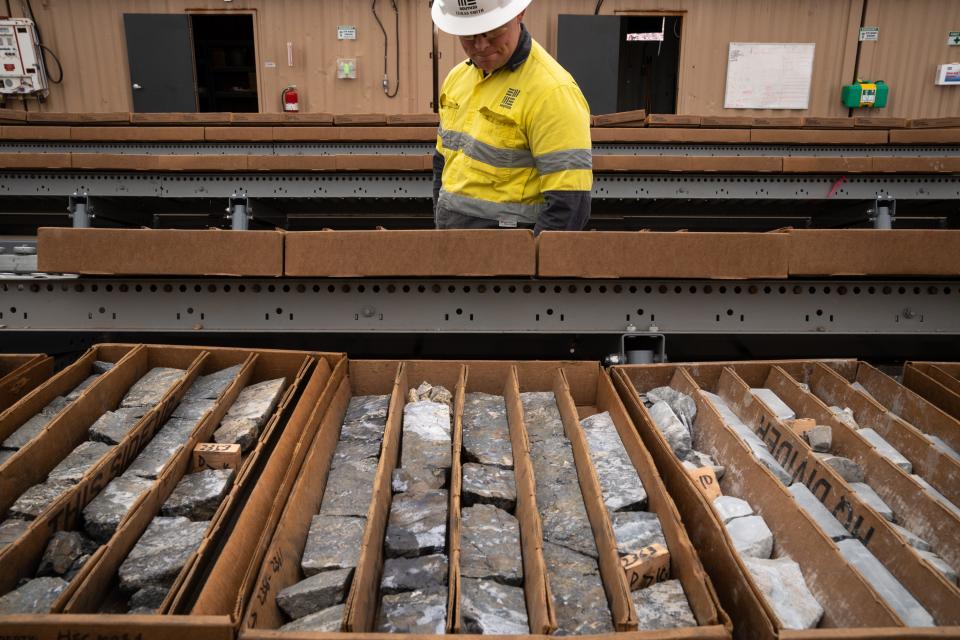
<point x="769" y="75"/>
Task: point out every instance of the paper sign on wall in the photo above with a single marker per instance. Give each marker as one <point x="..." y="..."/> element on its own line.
<point x="346" y="32"/>
<point x="869" y="34"/>
<point x="769" y="75"/>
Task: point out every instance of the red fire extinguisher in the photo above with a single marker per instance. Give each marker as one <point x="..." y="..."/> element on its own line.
<point x="290" y="98"/>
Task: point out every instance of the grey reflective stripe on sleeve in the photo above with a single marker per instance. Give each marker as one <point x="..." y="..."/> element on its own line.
<point x="525" y="213"/>
<point x="565" y="160"/>
<point x="486" y="153"/>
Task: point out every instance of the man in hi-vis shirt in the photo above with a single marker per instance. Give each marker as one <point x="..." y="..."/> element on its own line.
<point x="513" y="148"/>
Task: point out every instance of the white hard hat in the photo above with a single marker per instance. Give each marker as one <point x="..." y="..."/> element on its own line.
<point x="470" y="17"/>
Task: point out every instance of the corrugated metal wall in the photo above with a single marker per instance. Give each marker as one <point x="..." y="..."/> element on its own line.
<point x="88" y="37"/>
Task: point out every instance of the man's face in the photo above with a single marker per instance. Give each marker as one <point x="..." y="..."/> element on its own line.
<point x="489" y="51"/>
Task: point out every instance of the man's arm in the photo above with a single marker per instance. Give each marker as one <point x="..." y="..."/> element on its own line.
<point x="558" y="131"/>
<point x="566" y="211"/>
<point x="438" y="162"/>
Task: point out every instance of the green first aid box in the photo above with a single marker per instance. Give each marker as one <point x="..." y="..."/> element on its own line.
<point x="865" y="95"/>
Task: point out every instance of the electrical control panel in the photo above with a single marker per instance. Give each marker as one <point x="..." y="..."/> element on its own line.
<point x="21" y="63"/>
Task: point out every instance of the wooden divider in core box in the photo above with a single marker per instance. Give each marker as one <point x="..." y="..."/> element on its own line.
<point x="64" y="434"/>
<point x="935" y="383"/>
<point x="910" y="406"/>
<point x="94" y="589"/>
<point x="847" y="600"/>
<point x="593" y="392"/>
<point x="932" y="590"/>
<point x="364" y="599"/>
<point x="12" y="418"/>
<point x="614" y="580"/>
<point x="901" y="492"/>
<point x="222" y="589"/>
<point x="256" y="367"/>
<point x="501" y="379"/>
<point x="280" y="567"/>
<point x="932" y="464"/>
<point x="20" y="374"/>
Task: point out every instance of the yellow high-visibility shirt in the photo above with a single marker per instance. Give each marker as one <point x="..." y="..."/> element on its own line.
<point x="510" y="136"/>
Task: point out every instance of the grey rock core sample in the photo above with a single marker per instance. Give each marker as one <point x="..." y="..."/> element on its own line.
<point x="249" y="413"/>
<point x="12" y="529"/>
<point x="161" y="553"/>
<point x="868" y="495"/>
<point x="423" y="612"/>
<point x="149" y="390"/>
<point x="113" y="426"/>
<point x="417" y="524"/>
<point x="774" y="403"/>
<point x="885" y="449"/>
<point x="319" y="591"/>
<point x="35" y="596"/>
<point x="885" y="584"/>
<point x="349" y="489"/>
<point x="581" y="603"/>
<point x="163" y="446"/>
<point x="488" y="484"/>
<point x="486" y="432"/>
<point x="782" y="584"/>
<point x="845" y="467"/>
<point x="619" y="482"/>
<point x="63" y="550"/>
<point x="37" y="498"/>
<point x="27" y="432"/>
<point x="492" y="608"/>
<point x="198" y="495"/>
<point x="426" y="435"/>
<point x="676" y="433"/>
<point x="490" y="545"/>
<point x="412" y="574"/>
<point x="662" y="605"/>
<point x="72" y="468"/>
<point x="333" y="542"/>
<point x="819" y="513"/>
<point x="634" y="530"/>
<point x="729" y="507"/>
<point x="327" y="621"/>
<point x="211" y="386"/>
<point x="751" y="536"/>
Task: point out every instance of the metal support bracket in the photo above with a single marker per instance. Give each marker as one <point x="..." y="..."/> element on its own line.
<point x="239" y="211"/>
<point x="884" y="212"/>
<point x="81" y="210"/>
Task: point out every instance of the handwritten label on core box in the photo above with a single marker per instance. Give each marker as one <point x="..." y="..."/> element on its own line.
<point x="706" y="480"/>
<point x="647" y="566"/>
<point x="212" y="455"/>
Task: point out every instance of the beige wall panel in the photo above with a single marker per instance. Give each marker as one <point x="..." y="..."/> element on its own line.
<point x="88" y="37"/>
<point x="913" y="41"/>
<point x="708" y="28"/>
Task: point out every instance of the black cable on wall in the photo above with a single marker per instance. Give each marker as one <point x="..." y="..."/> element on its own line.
<point x="43" y="49"/>
<point x="386" y="81"/>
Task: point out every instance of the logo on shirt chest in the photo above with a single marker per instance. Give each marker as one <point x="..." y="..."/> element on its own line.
<point x="509" y="98"/>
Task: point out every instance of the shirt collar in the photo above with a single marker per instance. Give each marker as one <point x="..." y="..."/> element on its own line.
<point x="520" y="54"/>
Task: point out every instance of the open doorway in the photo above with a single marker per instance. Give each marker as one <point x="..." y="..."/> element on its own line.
<point x="226" y="62"/>
<point x="649" y="63"/>
<point x="633" y="61"/>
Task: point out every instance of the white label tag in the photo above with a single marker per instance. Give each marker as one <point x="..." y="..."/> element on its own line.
<point x="346" y="32"/>
<point x="508" y="221"/>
